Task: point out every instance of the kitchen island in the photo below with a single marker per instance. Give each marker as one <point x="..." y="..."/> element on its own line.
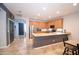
<point x="42" y="39"/>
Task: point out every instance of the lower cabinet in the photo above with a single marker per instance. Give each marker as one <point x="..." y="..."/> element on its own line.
<point x="46" y="40"/>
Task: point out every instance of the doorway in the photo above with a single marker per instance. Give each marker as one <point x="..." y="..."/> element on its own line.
<point x="21" y="28"/>
<point x="11" y="30"/>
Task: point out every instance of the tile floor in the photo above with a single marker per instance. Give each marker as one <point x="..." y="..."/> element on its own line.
<point x="24" y="47"/>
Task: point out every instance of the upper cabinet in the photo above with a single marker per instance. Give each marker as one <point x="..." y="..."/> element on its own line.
<point x="58" y="22"/>
<point x="39" y="24"/>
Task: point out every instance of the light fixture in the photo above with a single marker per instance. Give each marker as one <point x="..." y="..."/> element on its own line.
<point x="44" y="8"/>
<point x="19" y="13"/>
<point x="58" y="12"/>
<point x="49" y="16"/>
<point x="74" y="4"/>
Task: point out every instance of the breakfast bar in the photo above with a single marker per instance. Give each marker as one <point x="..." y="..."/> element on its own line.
<point x="42" y="39"/>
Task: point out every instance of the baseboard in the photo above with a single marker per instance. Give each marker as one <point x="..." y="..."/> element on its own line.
<point x="4" y="46"/>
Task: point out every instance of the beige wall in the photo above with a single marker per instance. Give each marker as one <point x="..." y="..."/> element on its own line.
<point x="71" y="24"/>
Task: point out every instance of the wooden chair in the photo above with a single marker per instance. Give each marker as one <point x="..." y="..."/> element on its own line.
<point x="70" y="49"/>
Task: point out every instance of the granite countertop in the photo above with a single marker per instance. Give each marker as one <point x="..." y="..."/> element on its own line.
<point x="49" y="34"/>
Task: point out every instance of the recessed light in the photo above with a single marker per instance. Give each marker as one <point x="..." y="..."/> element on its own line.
<point x="44" y="8"/>
<point x="58" y="12"/>
<point x="49" y="16"/>
<point x="74" y="4"/>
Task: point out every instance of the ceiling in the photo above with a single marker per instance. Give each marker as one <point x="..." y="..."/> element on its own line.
<point x="42" y="10"/>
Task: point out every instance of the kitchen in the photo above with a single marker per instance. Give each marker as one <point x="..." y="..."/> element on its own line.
<point x="46" y="26"/>
<point x="48" y="32"/>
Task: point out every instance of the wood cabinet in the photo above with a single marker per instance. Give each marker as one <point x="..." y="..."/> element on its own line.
<point x="57" y="22"/>
<point x="39" y="24"/>
<point x="50" y="23"/>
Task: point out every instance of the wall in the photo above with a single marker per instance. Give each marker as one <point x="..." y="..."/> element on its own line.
<point x="71" y="24"/>
<point x="2" y="28"/>
<point x="26" y="26"/>
<point x="8" y="15"/>
<point x="16" y="28"/>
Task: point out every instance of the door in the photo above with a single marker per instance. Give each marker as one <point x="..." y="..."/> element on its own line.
<point x="11" y="28"/>
<point x="21" y="29"/>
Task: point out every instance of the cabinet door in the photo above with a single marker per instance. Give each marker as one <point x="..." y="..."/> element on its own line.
<point x="59" y="23"/>
<point x="39" y="24"/>
<point x="50" y="23"/>
<point x="42" y="25"/>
